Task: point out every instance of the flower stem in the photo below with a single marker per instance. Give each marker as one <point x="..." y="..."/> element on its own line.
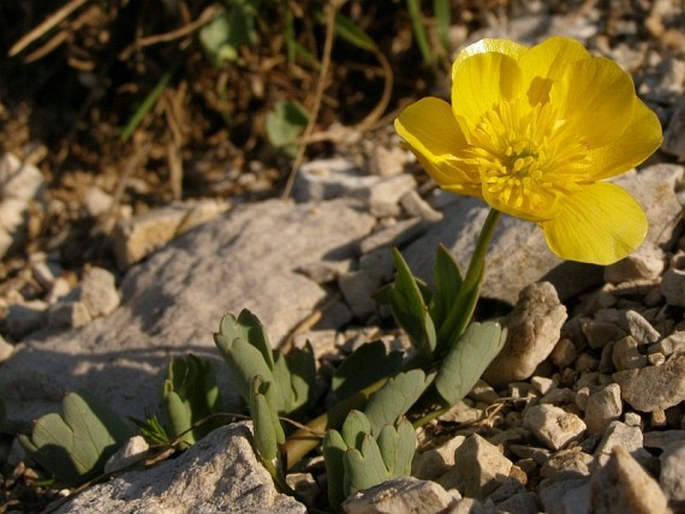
<point x="465" y="303"/>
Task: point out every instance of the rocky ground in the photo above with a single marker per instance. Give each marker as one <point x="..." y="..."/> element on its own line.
<point x="582" y="412"/>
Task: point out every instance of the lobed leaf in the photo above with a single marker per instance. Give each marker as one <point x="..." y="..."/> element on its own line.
<point x="333" y="448"/>
<point x="467" y="359"/>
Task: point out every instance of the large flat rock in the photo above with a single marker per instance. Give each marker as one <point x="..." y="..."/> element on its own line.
<point x="172" y="303"/>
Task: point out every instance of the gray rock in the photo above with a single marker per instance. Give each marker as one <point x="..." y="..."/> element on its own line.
<point x="473" y="506"/>
<point x="566" y="495"/>
<point x="97" y="202"/>
<point x="384" y="196"/>
<point x="626" y="354"/>
<point x="141" y="235"/>
<point x="673" y="287"/>
<point x="553" y="425"/>
<point x="564" y="353"/>
<point x="603" y="407"/>
<point x="645" y="263"/>
<point x="99" y="292"/>
<point x="6" y="349"/>
<point x="518" y="255"/>
<point x="404" y="494"/>
<point x="326" y="179"/>
<point x="69" y="314"/>
<point x="173" y="302"/>
<point x="674" y="343"/>
<point x="520" y="503"/>
<point x="26" y="317"/>
<point x="672" y="475"/>
<point x="617" y="434"/>
<point x="674" y="137"/>
<point x="624" y="486"/>
<point x="416" y="206"/>
<point x="533" y="330"/>
<point x="19" y="183"/>
<point x="654" y="387"/>
<point x="572" y="460"/>
<point x="434" y="462"/>
<point x="220" y="473"/>
<point x="479" y="468"/>
<point x="662" y="439"/>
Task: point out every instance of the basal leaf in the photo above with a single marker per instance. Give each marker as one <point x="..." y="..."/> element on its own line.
<point x="333" y="448"/>
<point x="354" y="428"/>
<point x="447" y="282"/>
<point x="364" y="468"/>
<point x="467" y="359"/>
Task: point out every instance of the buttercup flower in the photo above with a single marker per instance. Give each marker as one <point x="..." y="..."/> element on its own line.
<point x="534" y="132"/>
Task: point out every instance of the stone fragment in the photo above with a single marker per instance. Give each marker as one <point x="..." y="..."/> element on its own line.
<point x="645" y="263"/>
<point x="662" y="439"/>
<point x="473" y="506"/>
<point x="618" y="434"/>
<point x="6" y="349"/>
<point x="566" y="495"/>
<point x="572" y="460"/>
<point x="624" y="486"/>
<point x="26" y="317"/>
<point x="404" y="494"/>
<point x="674" y="343"/>
<point x="141" y="235"/>
<point x="641" y="329"/>
<point x="672" y="474"/>
<point x="674" y="137"/>
<point x="69" y="315"/>
<point x="60" y="289"/>
<point x="19" y="183"/>
<point x="384" y="196"/>
<point x="416" y="206"/>
<point x="479" y="468"/>
<point x="133" y="450"/>
<point x="600" y="333"/>
<point x="533" y="330"/>
<point x="97" y="202"/>
<point x="673" y="287"/>
<point x="396" y="234"/>
<point x="220" y="473"/>
<point x="603" y="407"/>
<point x="387" y="162"/>
<point x="654" y="387"/>
<point x="564" y="353"/>
<point x="325" y="179"/>
<point x="553" y="425"/>
<point x="432" y="463"/>
<point x="99" y="292"/>
<point x="626" y="355"/>
<point x="520" y="503"/>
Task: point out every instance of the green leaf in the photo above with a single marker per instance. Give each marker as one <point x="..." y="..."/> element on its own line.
<point x="395" y="398"/>
<point x="333" y="448"/>
<point x="284" y="124"/>
<point x="467" y="359"/>
<point x="76" y="445"/>
<point x="352" y="33"/>
<point x="366" y="365"/>
<point x="410" y="310"/>
<point x="248" y="327"/>
<point x="397" y="445"/>
<point x="268" y="431"/>
<point x="356" y="426"/>
<point x="447" y="280"/>
<point x="364" y="468"/>
<point x="443" y="21"/>
<point x="294" y="375"/>
<point x="414" y="8"/>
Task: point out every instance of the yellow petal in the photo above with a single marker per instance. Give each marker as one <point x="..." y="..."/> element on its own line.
<point x="480" y="82"/>
<point x="599" y="224"/>
<point x="596" y="97"/>
<point x="434" y="136"/>
<point x="546" y="62"/>
<point x="642" y="138"/>
<point x="500" y="46"/>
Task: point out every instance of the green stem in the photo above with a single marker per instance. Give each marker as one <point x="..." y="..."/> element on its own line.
<point x="465" y="303"/>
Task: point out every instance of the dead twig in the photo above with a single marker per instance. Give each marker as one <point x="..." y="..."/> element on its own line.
<point x="50" y="22"/>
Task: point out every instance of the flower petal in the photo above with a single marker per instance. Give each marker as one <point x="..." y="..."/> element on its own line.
<point x="600" y="224"/>
<point x="487" y="45"/>
<point x="642" y="137"/>
<point x="596" y="98"/>
<point x="546" y="62"/>
<point x="480" y="82"/>
<point x="434" y="136"/>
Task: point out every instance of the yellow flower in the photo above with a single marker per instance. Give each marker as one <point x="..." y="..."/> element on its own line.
<point x="533" y="132"/>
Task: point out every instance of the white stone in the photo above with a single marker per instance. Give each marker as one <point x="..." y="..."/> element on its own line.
<point x="603" y="407"/>
<point x="384" y="196"/>
<point x="674" y="343"/>
<point x="622" y="485"/>
<point x="220" y="473"/>
<point x="404" y="494"/>
<point x="97" y="202"/>
<point x="647" y="262"/>
<point x="533" y="330"/>
<point x="654" y="387"/>
<point x="672" y="475"/>
<point x="434" y="462"/>
<point x="414" y="205"/>
<point x="132" y="452"/>
<point x="553" y="425"/>
<point x="325" y="179"/>
<point x="617" y="434"/>
<point x="99" y="292"/>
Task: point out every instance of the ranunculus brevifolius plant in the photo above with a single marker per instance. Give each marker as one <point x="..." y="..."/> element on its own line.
<point x="534" y="132"/>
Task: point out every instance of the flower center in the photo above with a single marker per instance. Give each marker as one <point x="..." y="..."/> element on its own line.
<point x="527" y="159"/>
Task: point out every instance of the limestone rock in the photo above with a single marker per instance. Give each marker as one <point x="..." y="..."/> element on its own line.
<point x="220" y="473"/>
<point x="603" y="407"/>
<point x="672" y="475"/>
<point x="617" y="434"/>
<point x="141" y="235"/>
<point x="130" y="453"/>
<point x="553" y="425"/>
<point x="404" y="494"/>
<point x="172" y="303"/>
<point x="566" y="495"/>
<point x="533" y="330"/>
<point x="654" y="387"/>
<point x="98" y="292"/>
<point x="26" y="317"/>
<point x="478" y="470"/>
<point x="325" y="179"/>
<point x="624" y="486"/>
<point x="645" y="263"/>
